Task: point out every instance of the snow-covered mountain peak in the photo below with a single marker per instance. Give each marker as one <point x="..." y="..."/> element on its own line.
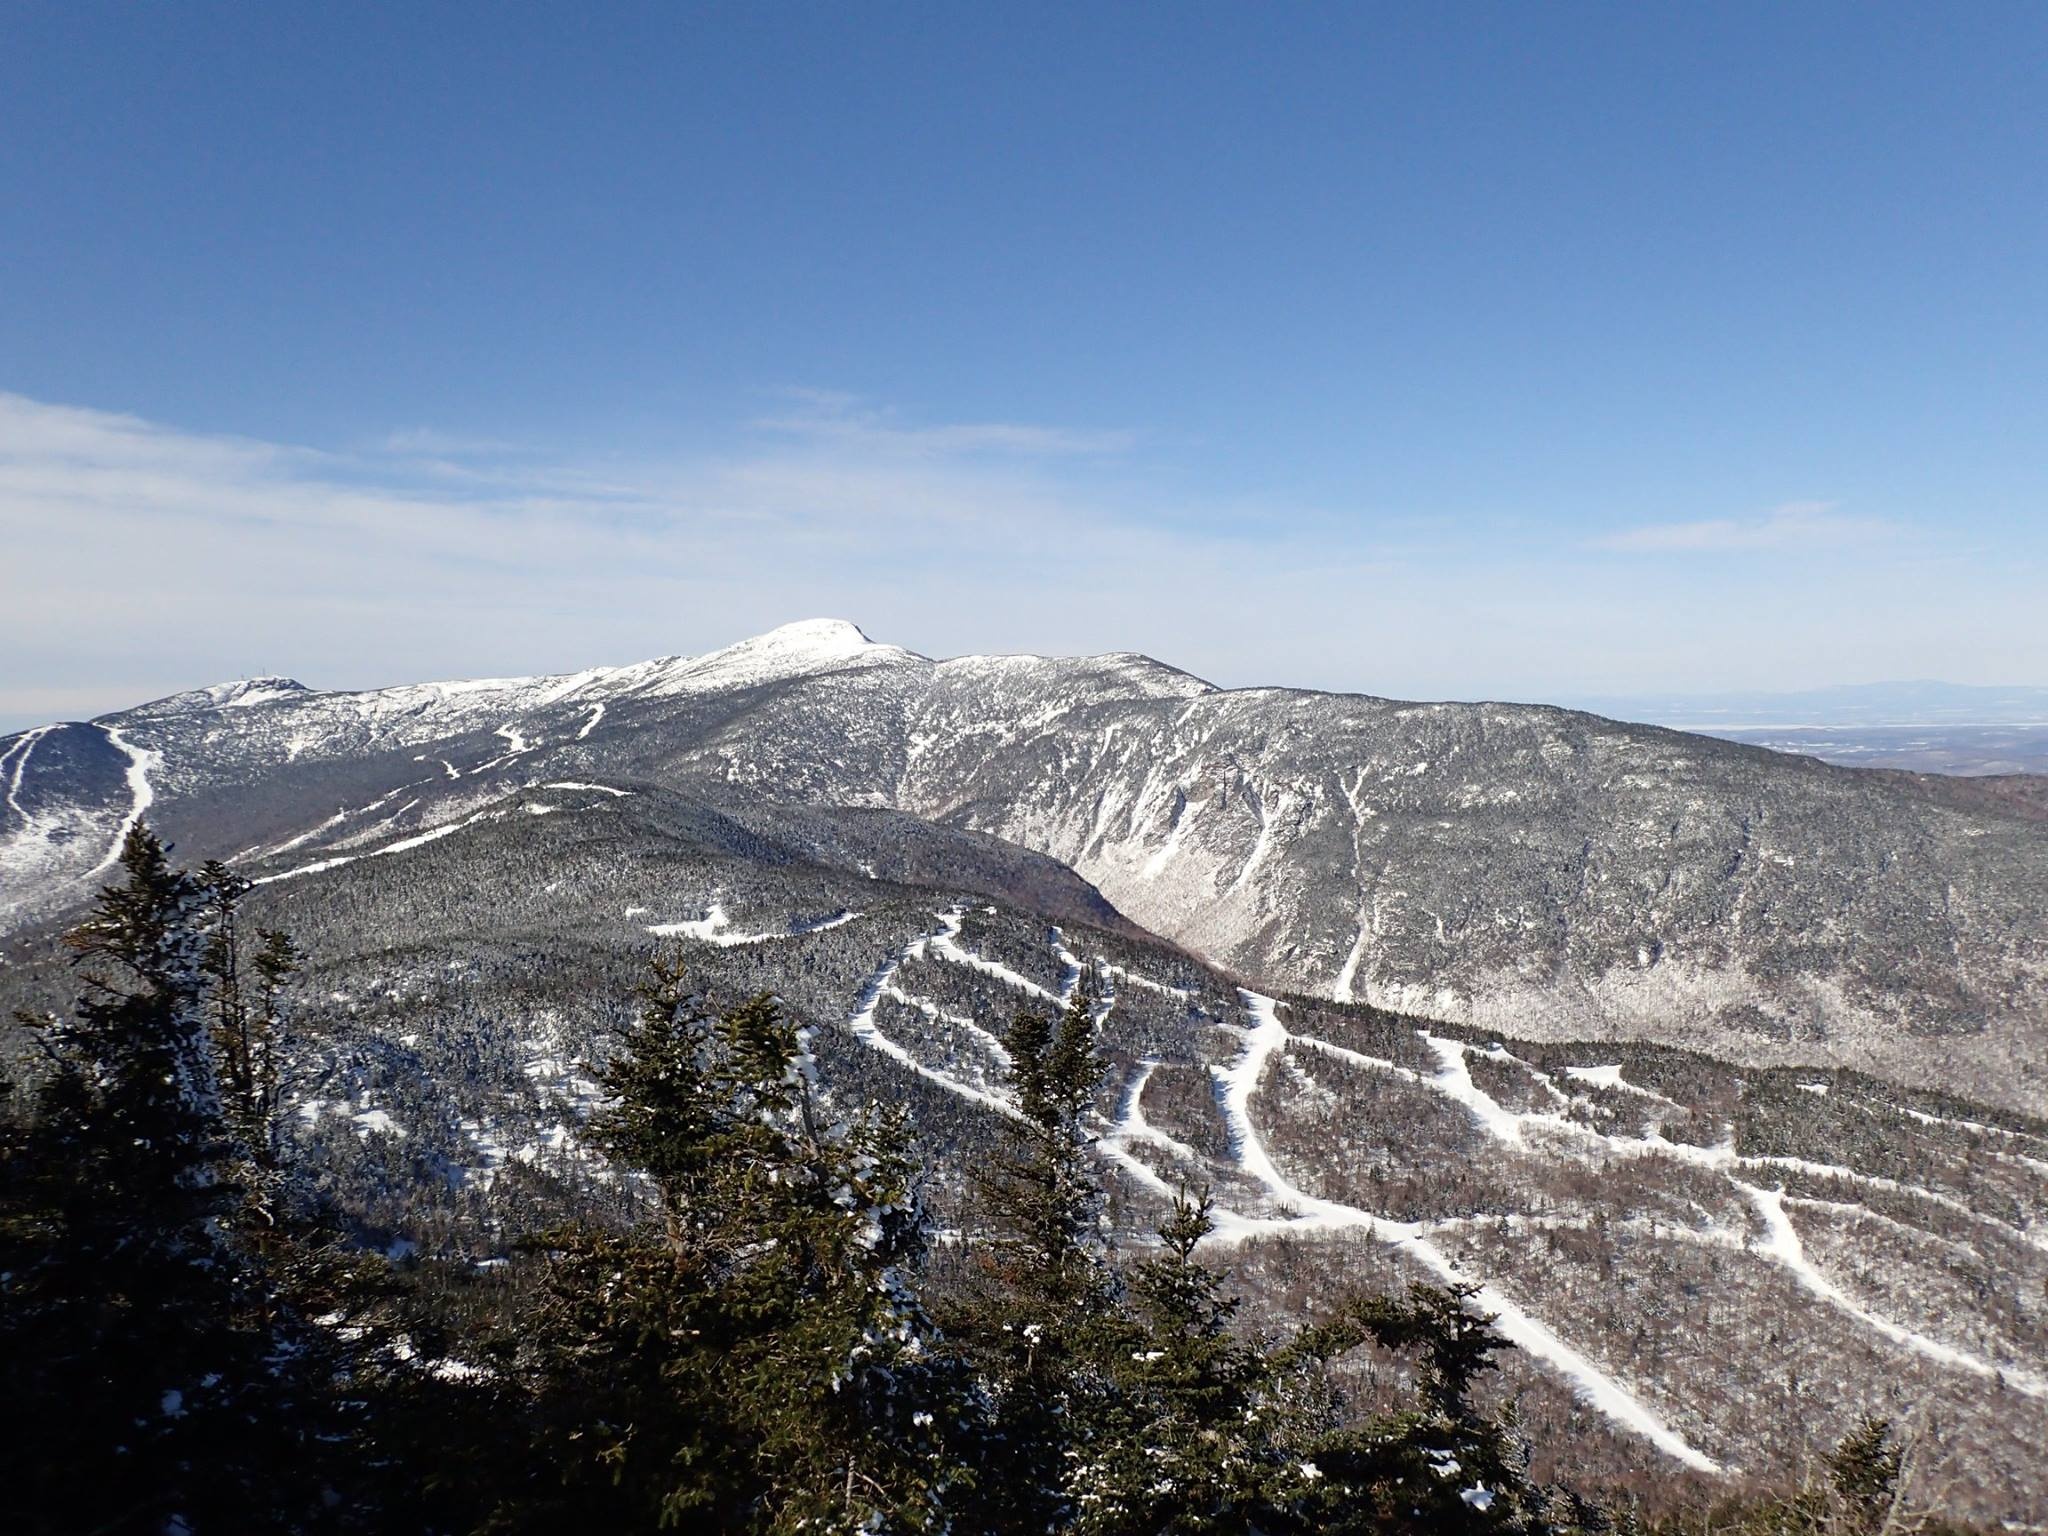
<point x="802" y="649"/>
<point x="824" y="639"/>
<point x="255" y="690"/>
<point x="239" y="694"/>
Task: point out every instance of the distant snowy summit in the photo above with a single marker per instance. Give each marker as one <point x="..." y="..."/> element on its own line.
<point x="804" y="648"/>
<point x="240" y="694"/>
<point x="808" y="642"/>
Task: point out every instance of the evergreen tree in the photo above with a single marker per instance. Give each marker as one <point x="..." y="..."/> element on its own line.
<point x="141" y="1379"/>
<point x="248" y="1032"/>
<point x="278" y="960"/>
<point x="1044" y="1323"/>
<point x="752" y="1358"/>
<point x="1198" y="1448"/>
<point x="1443" y="1466"/>
<point x="1864" y="1492"/>
<point x="1865" y="1469"/>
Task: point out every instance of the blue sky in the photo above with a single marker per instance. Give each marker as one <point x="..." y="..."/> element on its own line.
<point x="1434" y="350"/>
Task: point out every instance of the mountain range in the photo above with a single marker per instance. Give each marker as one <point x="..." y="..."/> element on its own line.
<point x="1719" y="1070"/>
<point x="1505" y="866"/>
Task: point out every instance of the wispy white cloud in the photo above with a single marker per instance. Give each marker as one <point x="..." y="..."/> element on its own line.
<point x="829" y="416"/>
<point x="141" y="559"/>
<point x="427" y="442"/>
<point x="137" y="551"/>
<point x="1795" y="525"/>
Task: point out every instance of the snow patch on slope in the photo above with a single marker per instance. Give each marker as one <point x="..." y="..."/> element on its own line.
<point x="715" y="927"/>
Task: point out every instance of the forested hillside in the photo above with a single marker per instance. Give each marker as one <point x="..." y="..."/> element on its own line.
<point x="984" y="1253"/>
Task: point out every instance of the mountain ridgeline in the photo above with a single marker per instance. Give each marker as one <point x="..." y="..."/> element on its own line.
<point x="1510" y="867"/>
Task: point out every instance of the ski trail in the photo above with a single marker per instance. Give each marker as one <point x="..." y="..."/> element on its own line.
<point x="869" y="1033"/>
<point x="602" y="789"/>
<point x="1783" y="1244"/>
<point x="432" y="834"/>
<point x="715" y="928"/>
<point x="340" y="816"/>
<point x="596" y="714"/>
<point x="943" y="945"/>
<point x="1185" y="994"/>
<point x="20" y="753"/>
<point x="1130" y="1125"/>
<point x="1508" y="1125"/>
<point x="1850" y="1208"/>
<point x="1073" y="963"/>
<point x="1979" y="1128"/>
<point x="883" y="984"/>
<point x="141" y="795"/>
<point x="1454" y="1082"/>
<point x="1240" y="1081"/>
<point x="1105" y="1004"/>
<point x="515" y="744"/>
<point x="1359" y="1058"/>
<point x="1926" y="1119"/>
<point x="1610" y="1077"/>
<point x="2031" y="1238"/>
<point x="1534" y="1337"/>
<point x="931" y="1010"/>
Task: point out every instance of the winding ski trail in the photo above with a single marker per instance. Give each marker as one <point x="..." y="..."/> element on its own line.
<point x="1130" y="1125"/>
<point x="141" y="795"/>
<point x="1782" y="1243"/>
<point x="1782" y="1246"/>
<point x="19" y="754"/>
<point x="870" y="1033"/>
<point x="1239" y="1082"/>
<point x="1292" y="1210"/>
<point x="946" y="946"/>
<point x="404" y="844"/>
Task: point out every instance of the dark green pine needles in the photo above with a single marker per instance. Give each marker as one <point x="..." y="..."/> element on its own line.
<point x="151" y="1377"/>
<point x="751" y="1357"/>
